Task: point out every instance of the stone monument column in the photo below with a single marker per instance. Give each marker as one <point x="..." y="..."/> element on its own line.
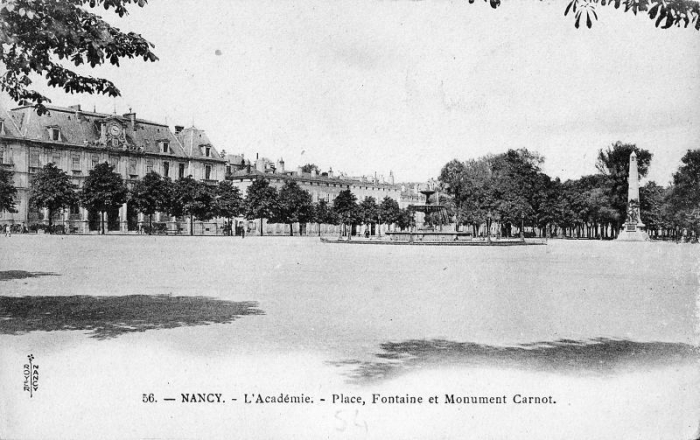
<point x="632" y="229"/>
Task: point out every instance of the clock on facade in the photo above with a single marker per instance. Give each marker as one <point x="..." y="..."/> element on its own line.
<point x="114" y="130"/>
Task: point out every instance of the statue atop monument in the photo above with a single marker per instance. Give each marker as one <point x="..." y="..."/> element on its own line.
<point x="633" y="228"/>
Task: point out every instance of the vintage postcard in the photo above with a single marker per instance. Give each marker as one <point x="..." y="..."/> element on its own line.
<point x="349" y="220"/>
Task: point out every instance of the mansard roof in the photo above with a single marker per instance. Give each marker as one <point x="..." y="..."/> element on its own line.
<point x="83" y="128"/>
<point x="194" y="141"/>
<point x="307" y="177"/>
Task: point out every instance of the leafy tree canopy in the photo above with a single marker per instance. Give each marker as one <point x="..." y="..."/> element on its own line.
<point x="369" y="210"/>
<point x="8" y="192"/>
<point x="388" y="211"/>
<point x="229" y="202"/>
<point x="294" y="205"/>
<point x="309" y="167"/>
<point x="323" y="213"/>
<point x="103" y="189"/>
<point x="345" y="205"/>
<point x="194" y="198"/>
<point x="260" y="201"/>
<point x="152" y="194"/>
<point x="42" y="37"/>
<point x="52" y="188"/>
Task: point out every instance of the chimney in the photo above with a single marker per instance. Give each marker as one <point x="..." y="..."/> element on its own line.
<point x="179" y="128"/>
<point x="330" y="172"/>
<point x="132" y="116"/>
<point x="391" y="177"/>
<point x="259" y="165"/>
<point x="280" y="166"/>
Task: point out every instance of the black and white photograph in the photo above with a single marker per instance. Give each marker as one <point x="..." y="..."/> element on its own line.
<point x="350" y="219"/>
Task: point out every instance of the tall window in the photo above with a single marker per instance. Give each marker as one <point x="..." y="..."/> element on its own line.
<point x="75" y="161"/>
<point x="56" y="158"/>
<point x="132" y="167"/>
<point x="207" y="172"/>
<point x="149" y="166"/>
<point x="166" y="169"/>
<point x="95" y="160"/>
<point x="114" y="161"/>
<point x="181" y="171"/>
<point x="34" y="158"/>
<point x="54" y="134"/>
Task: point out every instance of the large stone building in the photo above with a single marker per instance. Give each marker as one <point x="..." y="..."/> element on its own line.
<point x="77" y="140"/>
<point x="321" y="186"/>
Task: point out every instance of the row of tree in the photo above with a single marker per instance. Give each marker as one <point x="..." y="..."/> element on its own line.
<point x="512" y="189"/>
<point x="105" y="191"/>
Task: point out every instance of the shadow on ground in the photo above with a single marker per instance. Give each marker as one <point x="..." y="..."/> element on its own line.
<point x="600" y="355"/>
<point x="111" y="316"/>
<point x="6" y="275"/>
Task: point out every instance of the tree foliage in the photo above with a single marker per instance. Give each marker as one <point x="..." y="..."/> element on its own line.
<point x="613" y="163"/>
<point x="152" y="194"/>
<point x="684" y="197"/>
<point x="51" y="188"/>
<point x="103" y="190"/>
<point x="346" y="208"/>
<point x="42" y="37"/>
<point x="310" y="167"/>
<point x="294" y="205"/>
<point x="664" y="13"/>
<point x="8" y="191"/>
<point x="229" y="202"/>
<point x="194" y="199"/>
<point x="368" y="211"/>
<point x="260" y="201"/>
<point x="324" y="214"/>
<point x="388" y="211"/>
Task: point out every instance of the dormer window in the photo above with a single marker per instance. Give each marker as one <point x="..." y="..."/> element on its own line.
<point x="54" y="134"/>
<point x="207" y="151"/>
<point x="2" y="127"/>
<point x="164" y="147"/>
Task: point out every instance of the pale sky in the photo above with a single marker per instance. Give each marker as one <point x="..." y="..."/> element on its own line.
<point x="367" y="86"/>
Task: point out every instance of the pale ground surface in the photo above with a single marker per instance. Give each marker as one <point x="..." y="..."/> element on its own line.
<point x="325" y="303"/>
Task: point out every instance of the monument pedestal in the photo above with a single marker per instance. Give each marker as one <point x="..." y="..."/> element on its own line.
<point x="633" y="232"/>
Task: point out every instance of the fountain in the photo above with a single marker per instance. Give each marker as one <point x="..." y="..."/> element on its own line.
<point x="428" y="235"/>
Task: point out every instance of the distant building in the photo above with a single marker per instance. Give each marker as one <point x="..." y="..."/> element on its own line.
<point x="321" y="186"/>
<point x="77" y="140"/>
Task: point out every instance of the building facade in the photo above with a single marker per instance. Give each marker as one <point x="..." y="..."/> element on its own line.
<point x="322" y="186"/>
<point x="77" y="140"/>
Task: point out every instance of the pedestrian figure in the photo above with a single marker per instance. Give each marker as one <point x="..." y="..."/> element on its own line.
<point x="8" y="231"/>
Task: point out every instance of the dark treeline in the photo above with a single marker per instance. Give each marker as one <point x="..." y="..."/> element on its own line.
<point x="509" y="189"/>
<point x="512" y="190"/>
<point x="293" y="204"/>
<point x="105" y="191"/>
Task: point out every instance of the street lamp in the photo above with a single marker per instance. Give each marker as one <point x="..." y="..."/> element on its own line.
<point x="488" y="226"/>
<point x="522" y="226"/>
